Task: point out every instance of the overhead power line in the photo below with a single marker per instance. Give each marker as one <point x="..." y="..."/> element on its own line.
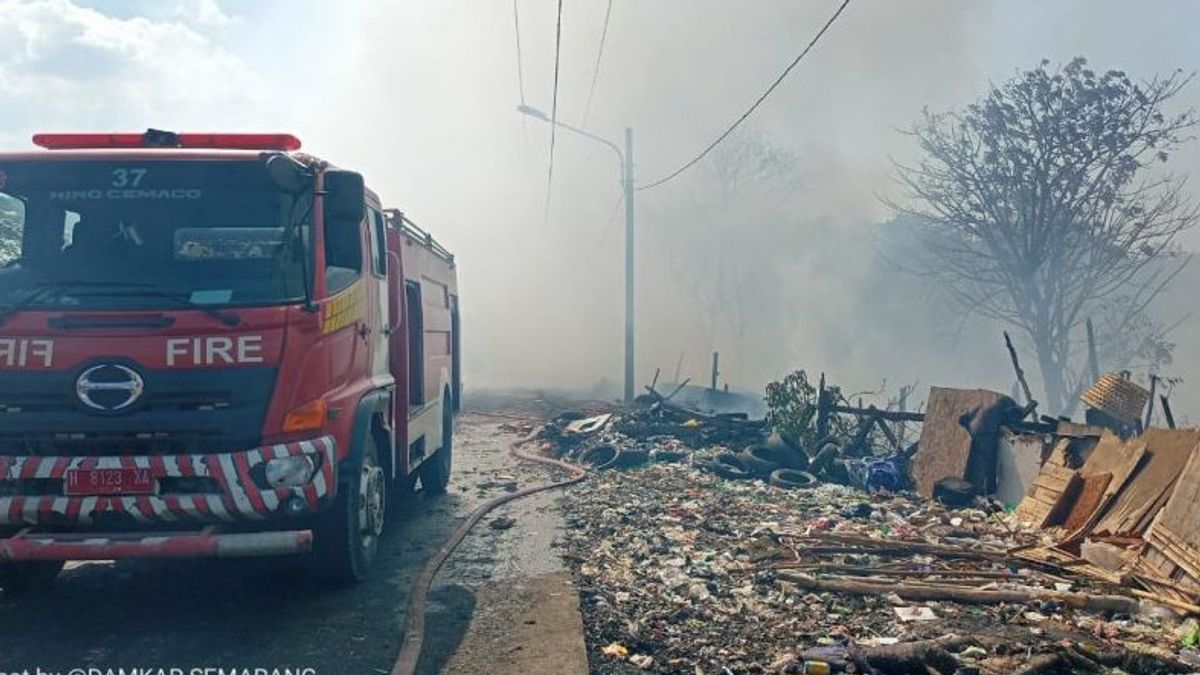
<point x="554" y="106"/>
<point x="754" y="106"/>
<point x="520" y="70"/>
<point x="596" y="71"/>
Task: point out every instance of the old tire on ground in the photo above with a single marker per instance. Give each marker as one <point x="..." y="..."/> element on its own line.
<point x="726" y="465"/>
<point x="628" y="458"/>
<point x="346" y="540"/>
<point x="828" y="451"/>
<point x="435" y="473"/>
<point x="600" y="457"/>
<point x="756" y="459"/>
<point x="785" y="452"/>
<point x="24" y="576"/>
<point x="792" y="479"/>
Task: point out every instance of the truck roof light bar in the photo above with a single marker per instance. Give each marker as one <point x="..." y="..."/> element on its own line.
<point x="154" y="138"/>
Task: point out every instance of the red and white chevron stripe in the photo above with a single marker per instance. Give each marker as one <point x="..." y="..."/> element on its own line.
<point x="240" y="499"/>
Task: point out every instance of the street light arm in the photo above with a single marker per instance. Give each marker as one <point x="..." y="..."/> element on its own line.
<point x="539" y="115"/>
<point x="627" y="186"/>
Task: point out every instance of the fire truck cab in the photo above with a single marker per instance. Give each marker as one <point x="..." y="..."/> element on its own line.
<point x="212" y="345"/>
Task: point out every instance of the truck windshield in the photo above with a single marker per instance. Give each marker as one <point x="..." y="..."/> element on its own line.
<point x="212" y="233"/>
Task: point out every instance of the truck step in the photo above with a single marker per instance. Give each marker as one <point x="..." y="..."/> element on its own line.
<point x="117" y="545"/>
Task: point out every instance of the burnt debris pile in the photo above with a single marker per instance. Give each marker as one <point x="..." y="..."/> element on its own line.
<point x="962" y="537"/>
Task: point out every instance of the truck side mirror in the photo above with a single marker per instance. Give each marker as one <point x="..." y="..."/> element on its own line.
<point x="345" y="197"/>
<point x="395" y="287"/>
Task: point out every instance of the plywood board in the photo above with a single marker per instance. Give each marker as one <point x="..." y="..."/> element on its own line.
<point x="944" y="449"/>
<point x="1119" y="460"/>
<point x="1091" y="494"/>
<point x="1174" y="532"/>
<point x="1110" y="453"/>
<point x="1151" y="483"/>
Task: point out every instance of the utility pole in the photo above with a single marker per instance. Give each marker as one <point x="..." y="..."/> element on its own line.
<point x="629" y="249"/>
<point x="627" y="186"/>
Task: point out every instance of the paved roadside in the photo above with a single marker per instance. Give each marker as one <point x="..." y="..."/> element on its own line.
<point x="273" y="614"/>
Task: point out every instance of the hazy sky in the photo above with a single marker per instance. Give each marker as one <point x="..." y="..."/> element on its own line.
<point x="420" y="94"/>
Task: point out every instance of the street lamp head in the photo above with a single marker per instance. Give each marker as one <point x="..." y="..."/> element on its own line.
<point x="532" y="112"/>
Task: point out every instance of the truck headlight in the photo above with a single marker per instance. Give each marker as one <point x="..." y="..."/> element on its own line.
<point x="290" y="471"/>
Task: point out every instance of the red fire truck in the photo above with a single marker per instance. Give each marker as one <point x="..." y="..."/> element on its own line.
<point x="212" y="345"/>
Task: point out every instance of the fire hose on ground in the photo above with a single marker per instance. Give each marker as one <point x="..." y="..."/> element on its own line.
<point x="414" y="626"/>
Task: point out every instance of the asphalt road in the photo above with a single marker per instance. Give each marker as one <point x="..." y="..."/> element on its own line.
<point x="273" y="613"/>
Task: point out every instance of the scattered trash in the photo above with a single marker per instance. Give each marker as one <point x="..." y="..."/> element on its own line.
<point x="617" y="650"/>
<point x="824" y="540"/>
<point x="915" y="613"/>
<point x="588" y="425"/>
<point x="642" y="661"/>
<point x="502" y="523"/>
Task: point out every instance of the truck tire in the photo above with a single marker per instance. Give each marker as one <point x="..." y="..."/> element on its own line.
<point x="435" y="473"/>
<point x="347" y="536"/>
<point x="791" y="479"/>
<point x="20" y="577"/>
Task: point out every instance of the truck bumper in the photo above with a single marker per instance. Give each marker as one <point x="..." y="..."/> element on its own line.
<point x="204" y="544"/>
<point x="33" y="489"/>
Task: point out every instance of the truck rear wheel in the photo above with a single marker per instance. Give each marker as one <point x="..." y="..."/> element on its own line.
<point x="19" y="577"/>
<point x="347" y="536"/>
<point x="435" y="473"/>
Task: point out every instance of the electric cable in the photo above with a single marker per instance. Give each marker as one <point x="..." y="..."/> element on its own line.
<point x="520" y="70"/>
<point x="753" y="106"/>
<point x="554" y="107"/>
<point x="587" y="110"/>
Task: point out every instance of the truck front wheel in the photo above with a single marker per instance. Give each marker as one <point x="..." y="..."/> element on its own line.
<point x="347" y="536"/>
<point x="19" y="577"/>
<point x="435" y="473"/>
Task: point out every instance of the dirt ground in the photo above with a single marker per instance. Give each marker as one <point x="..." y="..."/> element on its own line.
<point x="273" y="614"/>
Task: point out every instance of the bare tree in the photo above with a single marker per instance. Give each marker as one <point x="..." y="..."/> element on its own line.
<point x="722" y="268"/>
<point x="1038" y="206"/>
<point x="748" y="160"/>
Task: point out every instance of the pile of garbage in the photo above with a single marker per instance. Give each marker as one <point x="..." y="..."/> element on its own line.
<point x="726" y="445"/>
<point x="711" y="543"/>
<point x="683" y="571"/>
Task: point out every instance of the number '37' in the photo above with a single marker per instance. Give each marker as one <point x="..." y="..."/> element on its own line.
<point x="127" y="177"/>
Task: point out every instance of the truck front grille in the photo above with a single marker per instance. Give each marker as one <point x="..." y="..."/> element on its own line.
<point x="70" y="444"/>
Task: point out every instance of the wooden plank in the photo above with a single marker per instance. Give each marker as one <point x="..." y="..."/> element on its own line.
<point x="1158" y="573"/>
<point x="1048" y="488"/>
<point x="1117" y="458"/>
<point x="1091" y="494"/>
<point x="1151" y="483"/>
<point x="1174" y="533"/>
<point x="1068" y="562"/>
<point x="944" y="449"/>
